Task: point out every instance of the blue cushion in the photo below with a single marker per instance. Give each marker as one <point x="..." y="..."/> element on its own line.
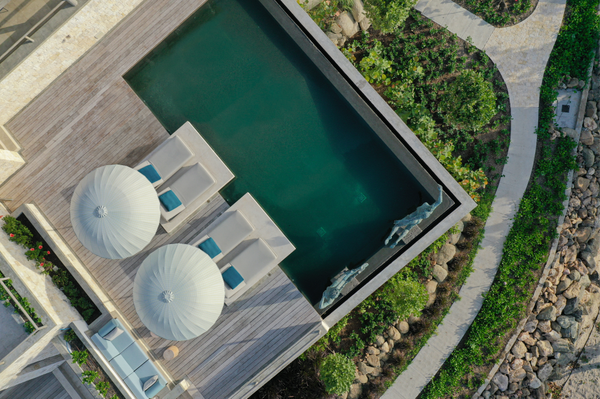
<point x="154" y="389"/>
<point x="134" y="355"/>
<point x="210" y="247"/>
<point x="169" y="200"/>
<point x="122" y="342"/>
<point x="121" y="366"/>
<point x="150" y="172"/>
<point x="232" y="277"/>
<point x="136" y="380"/>
<point x="107" y="348"/>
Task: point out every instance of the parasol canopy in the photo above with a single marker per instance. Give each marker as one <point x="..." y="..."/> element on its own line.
<point x="115" y="211"/>
<point x="178" y="292"/>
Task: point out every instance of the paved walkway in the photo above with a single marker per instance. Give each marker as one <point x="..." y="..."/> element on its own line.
<point x="520" y="53"/>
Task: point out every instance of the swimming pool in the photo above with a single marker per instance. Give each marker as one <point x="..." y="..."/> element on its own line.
<point x="291" y="139"/>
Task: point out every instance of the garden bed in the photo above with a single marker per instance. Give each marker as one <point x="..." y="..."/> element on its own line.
<point x="91" y="365"/>
<point x="24" y="303"/>
<point x="22" y="231"/>
<point x="500" y="13"/>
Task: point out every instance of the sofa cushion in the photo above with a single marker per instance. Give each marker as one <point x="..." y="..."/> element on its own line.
<point x="232" y="277"/>
<point x="169" y="200"/>
<point x="107" y="348"/>
<point x="150" y="173"/>
<point x="210" y="247"/>
<point x="122" y="342"/>
<point x="121" y="366"/>
<point x="134" y="355"/>
<point x="114" y="333"/>
<point x="136" y="380"/>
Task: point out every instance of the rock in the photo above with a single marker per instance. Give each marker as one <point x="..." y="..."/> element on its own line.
<point x="453" y="238"/>
<point x="403" y="327"/>
<point x="545" y="348"/>
<point x="358" y="10"/>
<point x="335" y="28"/>
<point x="363" y="368"/>
<point x="562" y="345"/>
<point x="501" y="381"/>
<point x="582" y="183"/>
<point x="446" y="252"/>
<point x="467" y="218"/>
<point x="527" y="339"/>
<point x="512" y="387"/>
<point x="586" y="137"/>
<point x="504" y="368"/>
<point x="572" y="331"/>
<point x="545" y="326"/>
<point x="588" y="259"/>
<point x="553" y="336"/>
<point x="347" y="23"/>
<point x="355" y="391"/>
<point x="588" y="157"/>
<point x="556" y="327"/>
<point x="573" y="290"/>
<point x="517" y="375"/>
<point x="531" y="324"/>
<point x="589" y="123"/>
<point x="431" y="300"/>
<point x="572" y="133"/>
<point x="371" y="350"/>
<point x="547" y="314"/>
<point x="519" y="350"/>
<point x="585" y="282"/>
<point x="535" y="383"/>
<point x="570" y="254"/>
<point x="575" y="275"/>
<point x="373" y="361"/>
<point x="439" y="273"/>
<point x="582" y="234"/>
<point x="431" y="286"/>
<point x="544" y="372"/>
<point x="565" y="321"/>
<point x="517" y="364"/>
<point x="334" y="37"/>
<point x="362" y="378"/>
<point x="560" y="304"/>
<point x="379" y="340"/>
<point x="563" y="285"/>
<point x="572" y="305"/>
<point x="365" y="24"/>
<point x="572" y="83"/>
<point x="394" y="333"/>
<point x="385" y="347"/>
<point x="413" y="319"/>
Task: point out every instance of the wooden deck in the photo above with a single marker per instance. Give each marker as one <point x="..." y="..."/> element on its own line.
<point x="89" y="117"/>
<point x="43" y="387"/>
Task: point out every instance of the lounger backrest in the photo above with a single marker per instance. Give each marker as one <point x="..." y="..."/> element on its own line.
<point x="231" y="231"/>
<point x="170" y="157"/>
<point x="254" y="260"/>
<point x="192" y="183"/>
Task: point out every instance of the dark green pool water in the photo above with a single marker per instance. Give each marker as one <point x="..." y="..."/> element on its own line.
<point x="286" y="133"/>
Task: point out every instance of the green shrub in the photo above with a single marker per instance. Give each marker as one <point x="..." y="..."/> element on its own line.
<point x="70" y="336"/>
<point x="17" y="232"/>
<point x="407" y="297"/>
<point x="374" y="66"/>
<point x="89" y="376"/>
<point x="79" y="357"/>
<point x="387" y="15"/>
<point x="102" y="388"/>
<point x="337" y="373"/>
<point x="470" y="102"/>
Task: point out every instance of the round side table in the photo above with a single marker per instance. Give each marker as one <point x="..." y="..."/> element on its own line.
<point x="171" y="353"/>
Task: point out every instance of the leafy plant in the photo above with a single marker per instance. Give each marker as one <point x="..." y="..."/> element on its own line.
<point x="79" y="357"/>
<point x="89" y="376"/>
<point x="337" y="373"/>
<point x="374" y="67"/>
<point x="17" y="232"/>
<point x="408" y="297"/>
<point x="388" y="15"/>
<point x="470" y="102"/>
<point x="70" y="336"/>
<point x="102" y="388"/>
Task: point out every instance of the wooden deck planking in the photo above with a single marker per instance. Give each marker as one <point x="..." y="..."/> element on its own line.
<point x="90" y="117"/>
<point x="43" y="387"/>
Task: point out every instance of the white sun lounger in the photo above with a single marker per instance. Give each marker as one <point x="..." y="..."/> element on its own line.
<point x="168" y="158"/>
<point x="253" y="263"/>
<point x="228" y="231"/>
<point x="190" y="185"/>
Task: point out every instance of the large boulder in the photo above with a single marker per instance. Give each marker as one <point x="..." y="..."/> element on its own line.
<point x="563" y="285"/>
<point x="501" y="381"/>
<point x="548" y="313"/>
<point x="446" y="252"/>
<point x="544" y="372"/>
<point x="347" y="23"/>
<point x="394" y="334"/>
<point x="586" y="137"/>
<point x="588" y="157"/>
<point x="545" y="348"/>
<point x="358" y="11"/>
<point x="588" y="259"/>
<point x="581" y="183"/>
<point x="403" y="327"/>
<point x="439" y="273"/>
<point x="519" y="349"/>
<point x="573" y="290"/>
